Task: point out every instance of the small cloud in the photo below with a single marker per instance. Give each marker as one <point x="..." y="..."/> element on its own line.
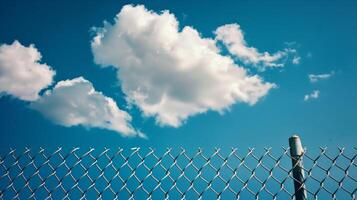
<point x="232" y="37"/>
<point x="309" y="55"/>
<point x="21" y="73"/>
<point x="184" y="17"/>
<point x="318" y="77"/>
<point x="296" y="60"/>
<point x="292" y="43"/>
<point x="75" y="102"/>
<point x="314" y="95"/>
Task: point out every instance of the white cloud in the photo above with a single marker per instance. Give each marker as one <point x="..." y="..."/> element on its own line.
<point x="296" y="60"/>
<point x="21" y="73"/>
<point x="75" y="102"/>
<point x="314" y="95"/>
<point x="318" y="77"/>
<point x="291" y="43"/>
<point x="232" y="36"/>
<point x="168" y="73"/>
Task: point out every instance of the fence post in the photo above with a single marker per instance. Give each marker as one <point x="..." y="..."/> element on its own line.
<point x="296" y="152"/>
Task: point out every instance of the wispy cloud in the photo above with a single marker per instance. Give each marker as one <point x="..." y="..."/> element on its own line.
<point x="318" y="77"/>
<point x="232" y="36"/>
<point x="314" y="95"/>
<point x="171" y="73"/>
<point x="296" y="60"/>
<point x="291" y="43"/>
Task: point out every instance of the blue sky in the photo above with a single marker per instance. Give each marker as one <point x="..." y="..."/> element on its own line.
<point x="322" y="34"/>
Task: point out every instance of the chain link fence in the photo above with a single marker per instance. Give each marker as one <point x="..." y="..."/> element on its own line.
<point x="175" y="173"/>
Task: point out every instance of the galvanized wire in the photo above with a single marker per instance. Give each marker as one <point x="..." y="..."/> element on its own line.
<point x="174" y="174"/>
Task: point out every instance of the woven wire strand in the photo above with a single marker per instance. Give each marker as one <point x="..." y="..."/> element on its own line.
<point x="174" y="174"/>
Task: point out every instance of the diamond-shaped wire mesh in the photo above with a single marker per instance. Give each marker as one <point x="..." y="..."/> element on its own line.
<point x="174" y="174"/>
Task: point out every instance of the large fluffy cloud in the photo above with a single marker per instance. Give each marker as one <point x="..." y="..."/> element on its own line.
<point x="168" y="73"/>
<point x="232" y="36"/>
<point x="75" y="102"/>
<point x="21" y="73"/>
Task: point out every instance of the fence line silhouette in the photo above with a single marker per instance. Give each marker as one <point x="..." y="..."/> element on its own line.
<point x="175" y="174"/>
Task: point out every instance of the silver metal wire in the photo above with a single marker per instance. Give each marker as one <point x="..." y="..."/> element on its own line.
<point x="174" y="174"/>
